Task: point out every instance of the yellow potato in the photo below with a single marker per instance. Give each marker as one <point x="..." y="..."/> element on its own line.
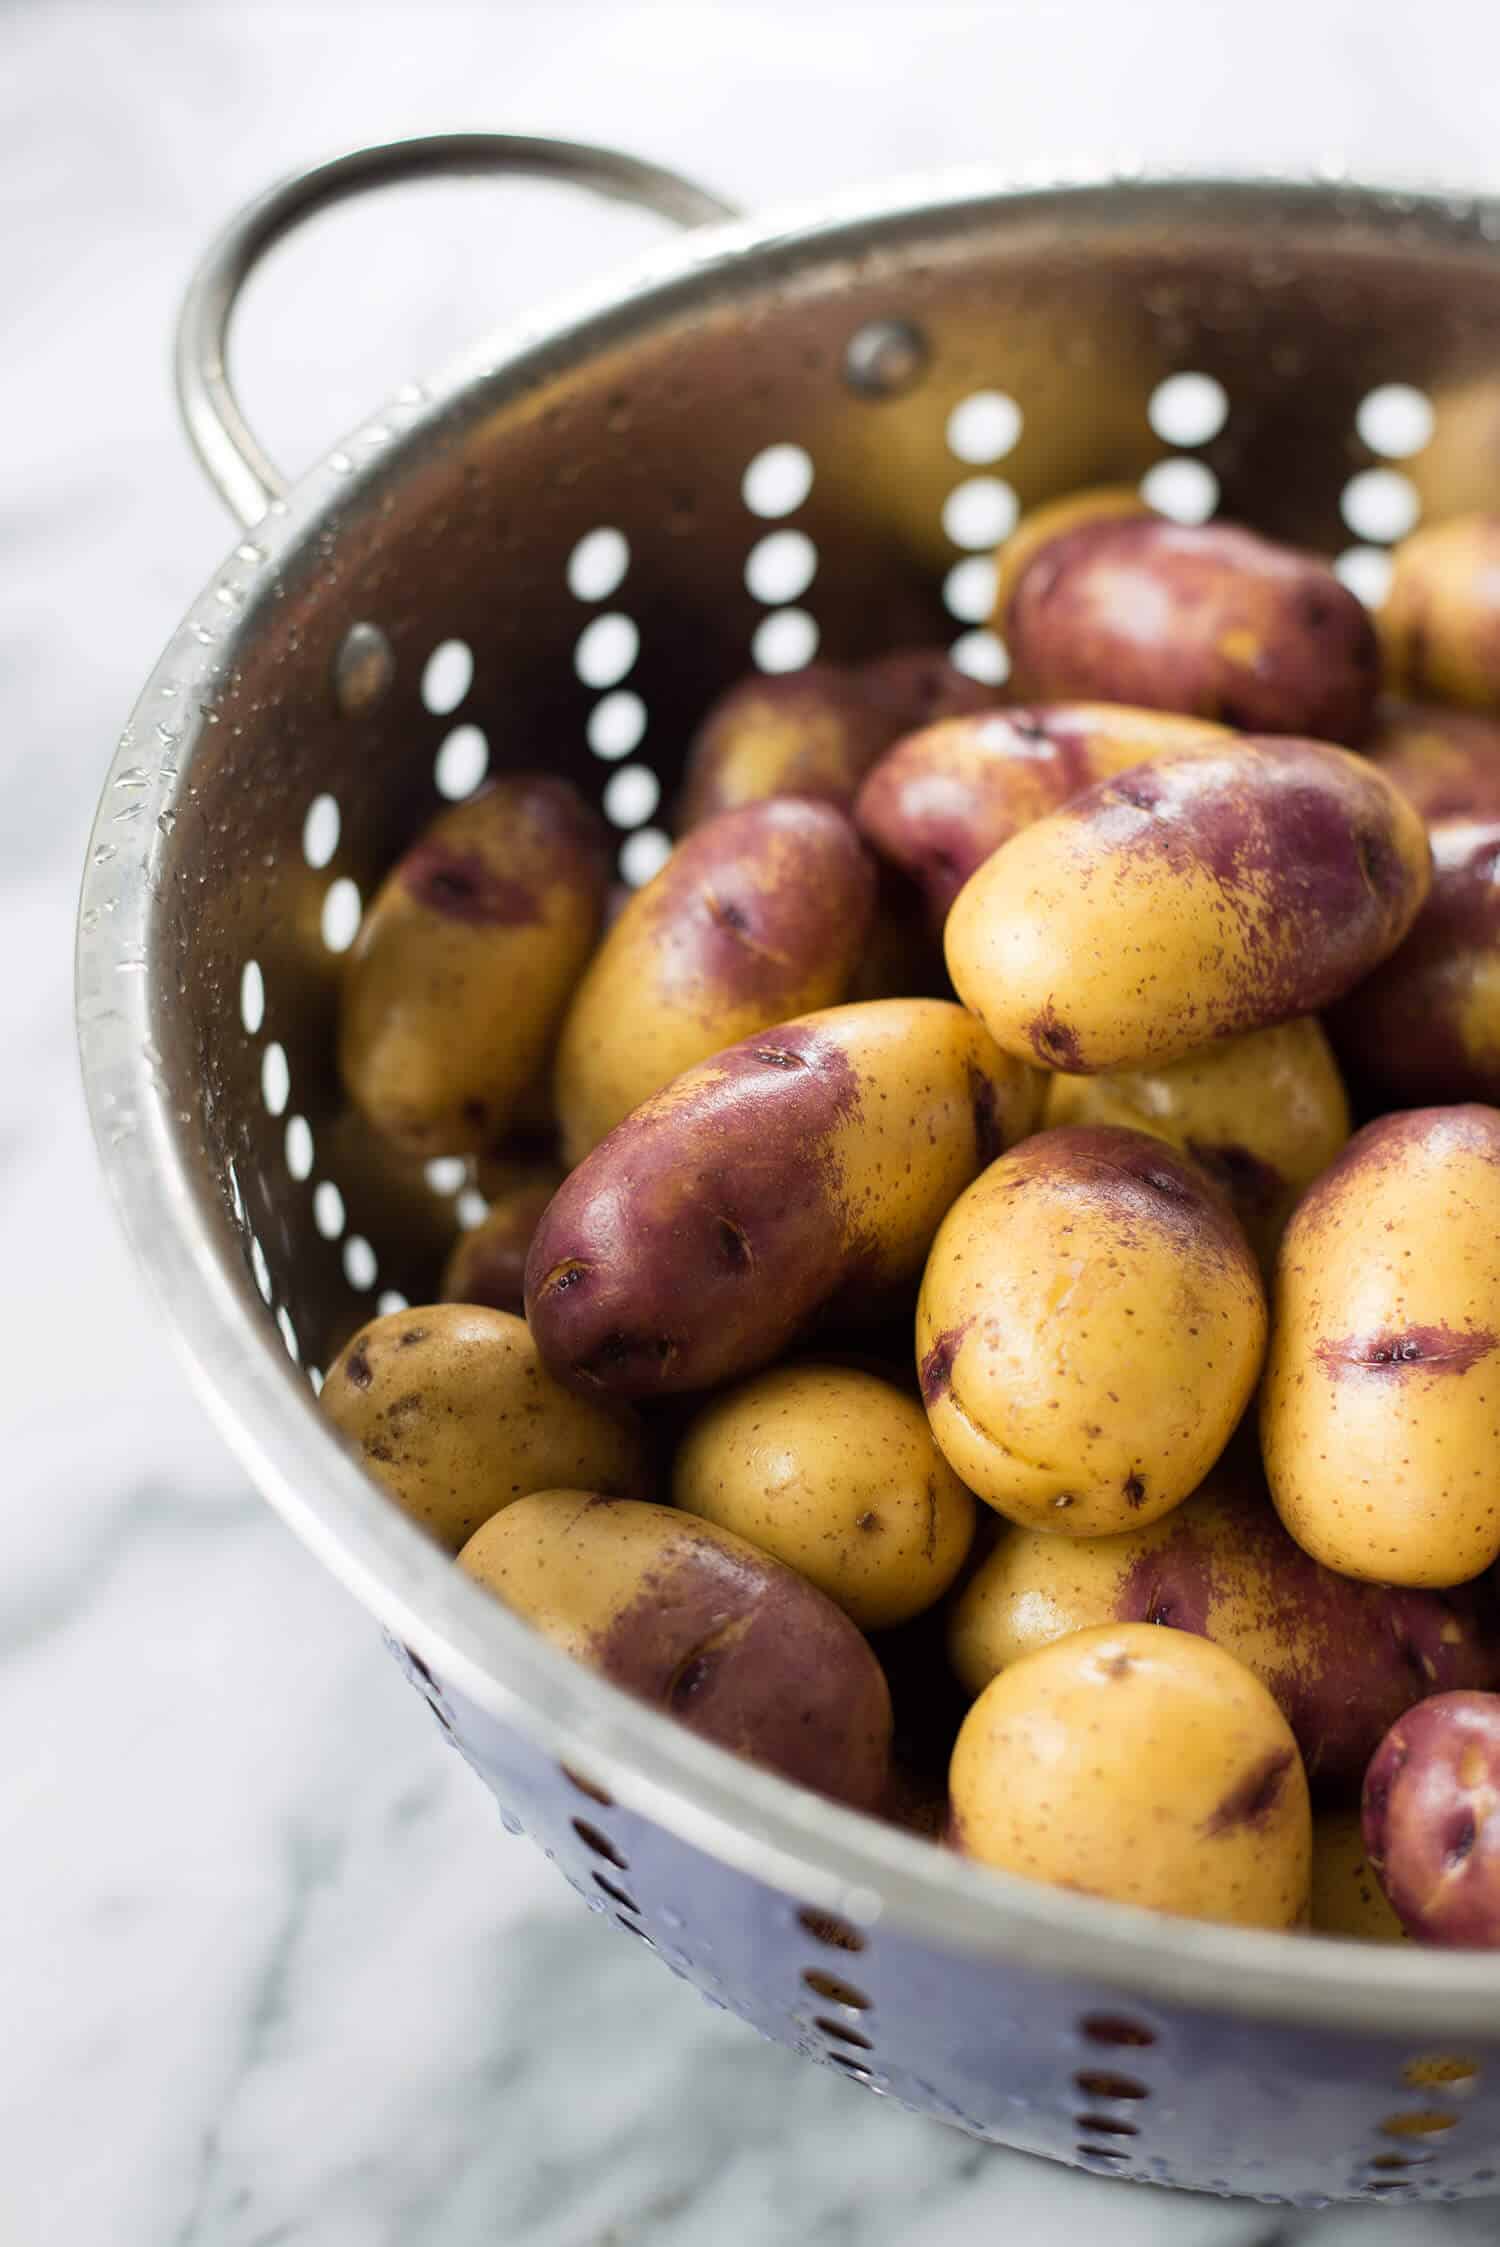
<point x="457" y="981"/>
<point x="1440" y="620"/>
<point x="1143" y="1765"/>
<point x="836" y="1473"/>
<point x="455" y="1414"/>
<point x="758" y="915"/>
<point x="1089" y="1331"/>
<point x="1264" y="1114"/>
<point x="1347" y="1899"/>
<point x="1380" y="1412"/>
<point x="715" y="1633"/>
<point x="1214" y="891"/>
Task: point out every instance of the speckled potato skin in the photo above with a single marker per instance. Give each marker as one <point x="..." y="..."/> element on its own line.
<point x="1341" y="1659"/>
<point x="1446" y="762"/>
<point x="836" y="1473"/>
<point x="1432" y="1820"/>
<point x="1347" y="1899"/>
<point x="1425" y="1027"/>
<point x="464" y="963"/>
<point x="712" y="1631"/>
<point x="1142" y="1765"/>
<point x="1264" y="1114"/>
<point x="940" y="801"/>
<point x="454" y="1413"/>
<point x="1089" y="1331"/>
<point x="801" y="1172"/>
<point x="1380" y="1410"/>
<point x="488" y="1263"/>
<point x="1440" y="620"/>
<point x="758" y="915"/>
<point x="1218" y="890"/>
<point x="1210" y="620"/>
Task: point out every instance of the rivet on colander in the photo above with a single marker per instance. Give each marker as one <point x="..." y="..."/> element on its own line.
<point x="362" y="669"/>
<point x="885" y="358"/>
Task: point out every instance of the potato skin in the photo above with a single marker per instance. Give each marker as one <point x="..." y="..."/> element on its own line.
<point x="1214" y="891"/>
<point x="1425" y="1027"/>
<point x="459" y="975"/>
<point x="1431" y="1798"/>
<point x="455" y="1414"/>
<point x="488" y="1263"/>
<point x="1143" y="1765"/>
<point x="1213" y="621"/>
<point x="1346" y="1898"/>
<point x="720" y="1636"/>
<point x="1440" y="620"/>
<point x="1446" y="762"/>
<point x="836" y="1473"/>
<point x="1380" y="1410"/>
<point x="940" y="801"/>
<point x="1264" y="1114"/>
<point x="920" y="686"/>
<point x="1341" y="1659"/>
<point x="801" y="1172"/>
<point x="758" y="915"/>
<point x="1089" y="1331"/>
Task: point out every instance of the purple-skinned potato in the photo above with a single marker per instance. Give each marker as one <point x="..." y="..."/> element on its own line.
<point x="814" y="732"/>
<point x="1446" y="762"/>
<point x="488" y="1262"/>
<point x="1432" y="1820"/>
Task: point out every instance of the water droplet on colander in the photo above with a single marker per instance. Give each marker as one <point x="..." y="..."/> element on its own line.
<point x="340" y="463"/>
<point x="134" y="776"/>
<point x="204" y="636"/>
<point x="884" y="358"/>
<point x="362" y="669"/>
<point x="102" y="853"/>
<point x="410" y="394"/>
<point x="376" y="434"/>
<point x="166" y="821"/>
<point x="246" y="551"/>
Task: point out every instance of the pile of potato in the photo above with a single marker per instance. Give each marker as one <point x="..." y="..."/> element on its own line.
<point x="964" y="1114"/>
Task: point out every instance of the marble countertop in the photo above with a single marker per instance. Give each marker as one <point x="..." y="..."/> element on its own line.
<point x="272" y="1972"/>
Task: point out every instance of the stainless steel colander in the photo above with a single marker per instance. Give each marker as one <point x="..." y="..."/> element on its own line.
<point x="807" y="432"/>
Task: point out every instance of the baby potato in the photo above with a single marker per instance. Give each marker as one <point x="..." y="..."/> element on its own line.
<point x="1432" y="1820"/>
<point x="836" y="1473"/>
<point x="488" y="1263"/>
<point x="758" y="915"/>
<point x="1089" y="1331"/>
<point x="459" y="975"/>
<point x="1217" y="890"/>
<point x="455" y="1414"/>
<point x="1105" y="602"/>
<point x="939" y="802"/>
<point x="1142" y="1765"/>
<point x="1380" y="1410"/>
<point x="1446" y="762"/>
<point x="1440" y="620"/>
<point x="801" y="1172"/>
<point x="1341" y="1659"/>
<point x="1263" y="1114"/>
<point x="710" y="1630"/>
<point x="1347" y="1899"/>
<point x="919" y="686"/>
<point x="1425" y="1027"/>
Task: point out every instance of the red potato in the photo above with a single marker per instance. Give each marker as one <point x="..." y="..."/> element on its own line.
<point x="1446" y="762"/>
<point x="1432" y="1819"/>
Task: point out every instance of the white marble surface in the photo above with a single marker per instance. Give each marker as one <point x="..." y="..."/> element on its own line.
<point x="271" y="1972"/>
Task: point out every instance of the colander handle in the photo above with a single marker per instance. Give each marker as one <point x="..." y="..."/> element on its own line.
<point x="221" y="436"/>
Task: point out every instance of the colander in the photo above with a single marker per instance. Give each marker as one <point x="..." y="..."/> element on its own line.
<point x="775" y="436"/>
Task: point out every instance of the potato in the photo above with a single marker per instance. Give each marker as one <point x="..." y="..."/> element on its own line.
<point x="1440" y="620"/>
<point x="460" y="973"/>
<point x="722" y="1637"/>
<point x="1218" y="890"/>
<point x="1432" y="1794"/>
<point x="1347" y="1899"/>
<point x="759" y="914"/>
<point x="939" y="802"/>
<point x="1103" y="603"/>
<point x="1263" y="1114"/>
<point x="816" y="732"/>
<point x="1340" y="1659"/>
<point x="1089" y="1331"/>
<point x="488" y="1263"/>
<point x="1380" y="1411"/>
<point x="801" y="1172"/>
<point x="1143" y="1765"/>
<point x="455" y="1414"/>
<point x="836" y="1473"/>
<point x="1425" y="1027"/>
<point x="1446" y="762"/>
